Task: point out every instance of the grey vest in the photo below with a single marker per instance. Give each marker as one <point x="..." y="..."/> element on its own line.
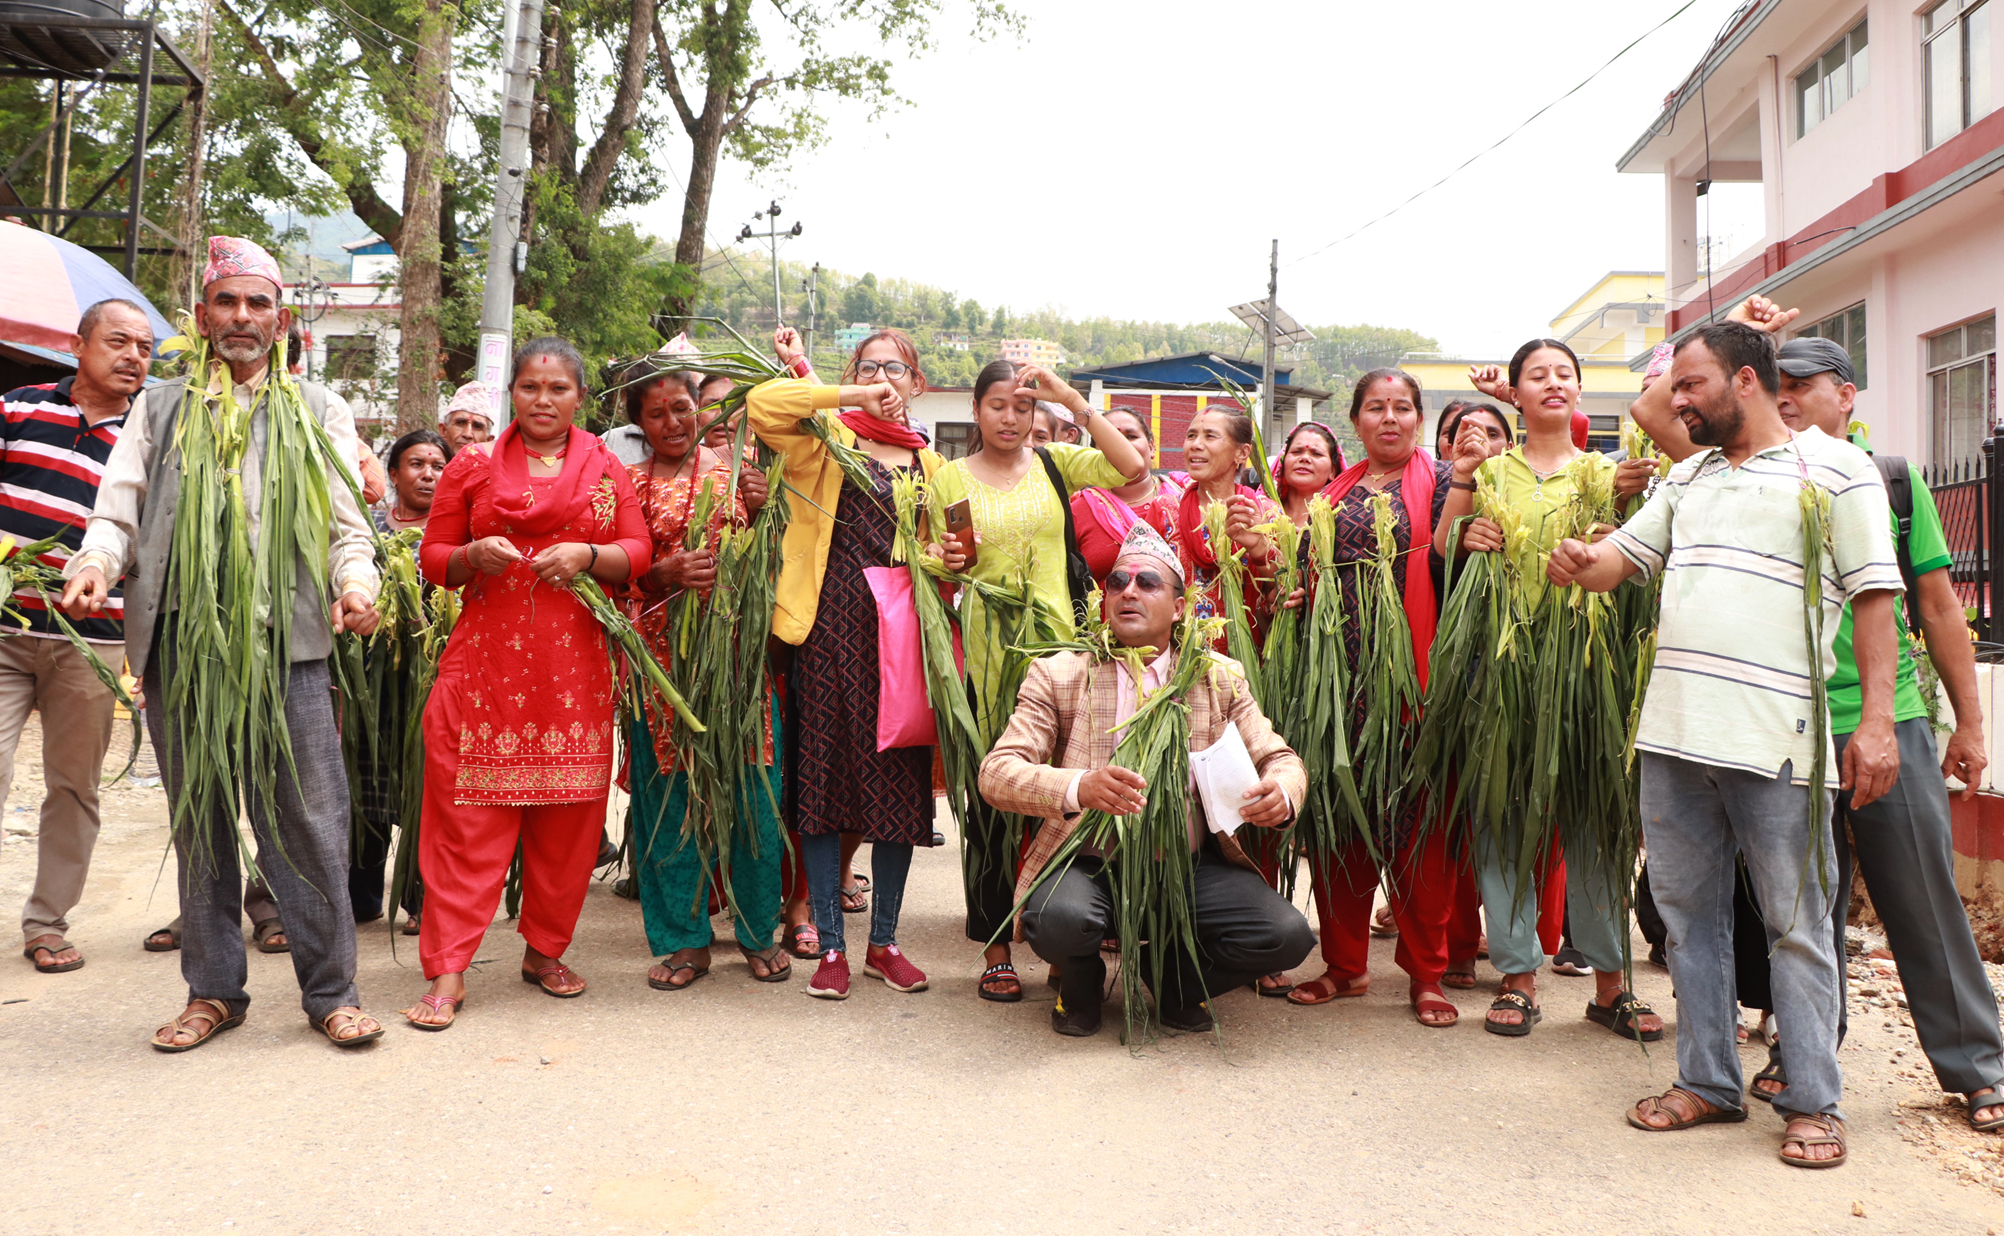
<point x="146" y="579"/>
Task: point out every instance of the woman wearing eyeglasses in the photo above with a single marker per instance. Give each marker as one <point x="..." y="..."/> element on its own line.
<point x="847" y="788"/>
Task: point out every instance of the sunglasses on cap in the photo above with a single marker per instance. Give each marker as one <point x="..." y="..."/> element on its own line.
<point x="1149" y="582"/>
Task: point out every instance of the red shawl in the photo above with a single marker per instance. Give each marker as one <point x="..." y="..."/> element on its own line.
<point x="585" y="461"/>
<point x="1416" y="492"/>
<point x="877" y="429"/>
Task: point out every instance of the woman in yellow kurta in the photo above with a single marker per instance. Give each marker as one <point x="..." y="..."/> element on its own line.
<point x="1017" y="536"/>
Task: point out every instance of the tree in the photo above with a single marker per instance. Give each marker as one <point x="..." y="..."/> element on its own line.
<point x="731" y="92"/>
<point x="860" y="303"/>
<point x="949" y="314"/>
<point x="970" y="310"/>
<point x="1001" y="323"/>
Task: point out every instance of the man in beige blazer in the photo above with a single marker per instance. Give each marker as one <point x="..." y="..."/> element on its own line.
<point x="1055" y="762"/>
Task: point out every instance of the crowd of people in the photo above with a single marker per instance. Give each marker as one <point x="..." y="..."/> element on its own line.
<point x="1111" y="617"/>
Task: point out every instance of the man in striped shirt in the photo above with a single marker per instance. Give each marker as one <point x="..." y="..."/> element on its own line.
<point x="1728" y="730"/>
<point x="53" y="444"/>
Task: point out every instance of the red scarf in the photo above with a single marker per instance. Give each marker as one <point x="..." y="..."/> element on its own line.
<point x="877" y="429"/>
<point x="1190" y="522"/>
<point x="1416" y="493"/>
<point x="585" y="461"/>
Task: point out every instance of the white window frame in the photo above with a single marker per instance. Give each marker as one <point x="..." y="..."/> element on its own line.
<point x="1973" y="89"/>
<point x="1817" y="86"/>
<point x="1941" y="378"/>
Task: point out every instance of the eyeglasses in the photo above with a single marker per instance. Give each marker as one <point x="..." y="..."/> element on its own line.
<point x="1149" y="582"/>
<point x="890" y="369"/>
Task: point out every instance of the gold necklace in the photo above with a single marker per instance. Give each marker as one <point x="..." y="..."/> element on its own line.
<point x="549" y="461"/>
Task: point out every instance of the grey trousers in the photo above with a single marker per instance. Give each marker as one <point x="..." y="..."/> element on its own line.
<point x="306" y="863"/>
<point x="1244" y="930"/>
<point x="1694" y="816"/>
<point x="1905" y="852"/>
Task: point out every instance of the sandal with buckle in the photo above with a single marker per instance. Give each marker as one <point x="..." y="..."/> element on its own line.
<point x="1621" y="1017"/>
<point x="213" y="1014"/>
<point x="558" y="971"/>
<point x="1513" y="999"/>
<point x="437" y="1004"/>
<point x="356" y="1018"/>
<point x="1686" y="1109"/>
<point x="1832" y="1135"/>
<point x="1000" y="970"/>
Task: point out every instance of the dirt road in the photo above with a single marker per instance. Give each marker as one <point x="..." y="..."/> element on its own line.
<point x="739" y="1107"/>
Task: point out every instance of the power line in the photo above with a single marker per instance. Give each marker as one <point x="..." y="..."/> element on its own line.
<point x="1463" y="166"/>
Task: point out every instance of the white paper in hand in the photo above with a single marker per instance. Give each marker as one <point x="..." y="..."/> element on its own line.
<point x="1223" y="772"/>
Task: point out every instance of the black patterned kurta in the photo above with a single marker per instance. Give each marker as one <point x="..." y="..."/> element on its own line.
<point x="845" y="784"/>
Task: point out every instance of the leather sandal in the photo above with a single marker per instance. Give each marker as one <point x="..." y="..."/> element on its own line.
<point x="1774" y="1072"/>
<point x="1686" y="1109"/>
<point x="213" y="1014"/>
<point x="1978" y="1101"/>
<point x="1324" y="988"/>
<point x="356" y="1018"/>
<point x="1430" y="999"/>
<point x="1622" y="1016"/>
<point x="1832" y="1134"/>
<point x="437" y="1004"/>
<point x="555" y="970"/>
<point x="262" y="933"/>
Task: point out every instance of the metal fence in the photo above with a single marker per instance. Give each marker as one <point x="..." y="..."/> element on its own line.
<point x="1969" y="511"/>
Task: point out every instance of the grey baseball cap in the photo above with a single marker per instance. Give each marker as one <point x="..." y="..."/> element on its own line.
<point x="1810" y="355"/>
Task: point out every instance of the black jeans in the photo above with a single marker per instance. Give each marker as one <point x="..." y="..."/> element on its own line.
<point x="1244" y="930"/>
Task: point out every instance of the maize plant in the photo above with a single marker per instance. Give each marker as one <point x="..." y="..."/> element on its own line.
<point x="21" y="568"/>
<point x="1333" y="816"/>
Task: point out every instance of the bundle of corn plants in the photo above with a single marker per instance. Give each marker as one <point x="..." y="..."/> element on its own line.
<point x="1474" y="731"/>
<point x="1148" y="859"/>
<point x="226" y="659"/>
<point x="1388" y="695"/>
<point x="1635" y="603"/>
<point x="1817" y="550"/>
<point x="431" y="614"/>
<point x="21" y="567"/>
<point x="1333" y="815"/>
<point x="1240" y="643"/>
<point x="720" y="665"/>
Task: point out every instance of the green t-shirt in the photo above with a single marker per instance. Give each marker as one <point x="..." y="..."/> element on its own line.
<point x="1927" y="545"/>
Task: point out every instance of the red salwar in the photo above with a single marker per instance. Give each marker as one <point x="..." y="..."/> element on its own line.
<point x="518" y="729"/>
<point x="1420" y="887"/>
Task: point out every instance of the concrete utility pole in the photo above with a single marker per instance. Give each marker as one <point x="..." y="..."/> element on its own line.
<point x="772" y="237"/>
<point x="1267" y="403"/>
<point x="507" y="252"/>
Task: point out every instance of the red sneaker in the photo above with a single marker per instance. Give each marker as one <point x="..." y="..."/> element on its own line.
<point x="896" y="969"/>
<point x="831" y="977"/>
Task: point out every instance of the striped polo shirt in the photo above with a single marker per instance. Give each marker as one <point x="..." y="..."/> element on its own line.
<point x="1731" y="686"/>
<point x="51" y="462"/>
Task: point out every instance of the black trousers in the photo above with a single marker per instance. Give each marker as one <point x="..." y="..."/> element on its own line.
<point x="1244" y="930"/>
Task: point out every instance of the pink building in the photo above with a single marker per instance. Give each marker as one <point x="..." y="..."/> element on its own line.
<point x="1869" y="126"/>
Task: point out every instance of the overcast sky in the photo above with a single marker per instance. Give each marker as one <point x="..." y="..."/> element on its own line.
<point x="1136" y="159"/>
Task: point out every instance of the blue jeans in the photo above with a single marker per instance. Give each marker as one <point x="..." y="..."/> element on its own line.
<point x="890" y="862"/>
<point x="1694" y="818"/>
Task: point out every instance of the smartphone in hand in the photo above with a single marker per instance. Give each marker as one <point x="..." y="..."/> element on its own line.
<point x="960" y="522"/>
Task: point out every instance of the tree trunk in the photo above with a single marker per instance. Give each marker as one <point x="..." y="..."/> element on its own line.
<point x="419" y="254"/>
<point x="706" y="142"/>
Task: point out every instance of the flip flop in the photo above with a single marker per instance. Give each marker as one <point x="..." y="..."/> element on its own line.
<point x="674" y="968"/>
<point x="1513" y="999"/>
<point x="52" y="967"/>
<point x="542" y="977"/>
<point x="1277" y="991"/>
<point x="806" y="940"/>
<point x="771" y="957"/>
<point x="435" y="1004"/>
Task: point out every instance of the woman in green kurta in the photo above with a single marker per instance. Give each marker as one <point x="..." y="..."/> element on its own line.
<point x="1016" y="544"/>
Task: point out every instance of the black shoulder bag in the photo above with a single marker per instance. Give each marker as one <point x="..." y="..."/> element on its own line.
<point x="1078" y="576"/>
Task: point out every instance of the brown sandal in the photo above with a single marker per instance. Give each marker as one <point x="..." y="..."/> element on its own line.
<point x="1323" y="989"/>
<point x="213" y="1014"/>
<point x="52" y="966"/>
<point x="1832" y="1135"/>
<point x="1685" y="1109"/>
<point x="356" y="1018"/>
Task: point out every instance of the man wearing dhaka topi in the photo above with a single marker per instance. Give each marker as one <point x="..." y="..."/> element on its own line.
<point x="233" y="484"/>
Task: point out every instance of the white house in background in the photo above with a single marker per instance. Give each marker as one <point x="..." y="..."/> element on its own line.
<point x="1870" y="127"/>
<point x="351" y="333"/>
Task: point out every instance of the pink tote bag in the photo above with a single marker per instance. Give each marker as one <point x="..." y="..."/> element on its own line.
<point x="904" y="714"/>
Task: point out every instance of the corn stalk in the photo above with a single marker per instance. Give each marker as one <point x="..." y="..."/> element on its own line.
<point x="21" y="567"/>
<point x="1333" y="815"/>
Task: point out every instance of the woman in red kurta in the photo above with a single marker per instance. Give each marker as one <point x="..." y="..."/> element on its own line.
<point x="518" y="731"/>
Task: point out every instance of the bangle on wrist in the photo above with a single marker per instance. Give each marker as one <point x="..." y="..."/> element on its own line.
<point x="1464" y="485"/>
<point x="594" y="558"/>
